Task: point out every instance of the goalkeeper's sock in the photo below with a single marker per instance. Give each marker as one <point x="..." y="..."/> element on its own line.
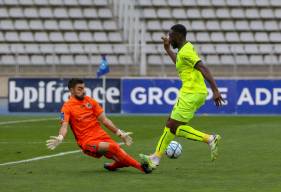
<point x="192" y="134"/>
<point x="118" y="154"/>
<point x="163" y="143"/>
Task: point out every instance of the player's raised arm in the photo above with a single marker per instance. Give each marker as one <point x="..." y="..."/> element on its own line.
<point x="208" y="76"/>
<point x="125" y="136"/>
<point x="166" y="44"/>
<point x="54" y="141"/>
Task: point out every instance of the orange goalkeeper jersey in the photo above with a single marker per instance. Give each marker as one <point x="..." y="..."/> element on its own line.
<point x="82" y="117"/>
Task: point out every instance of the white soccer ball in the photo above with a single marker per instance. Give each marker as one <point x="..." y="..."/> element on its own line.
<point x="174" y="150"/>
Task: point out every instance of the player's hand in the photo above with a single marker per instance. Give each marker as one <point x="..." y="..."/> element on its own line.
<point x="54" y="141"/>
<point x="125" y="136"/>
<point x="218" y="99"/>
<point x="166" y="42"/>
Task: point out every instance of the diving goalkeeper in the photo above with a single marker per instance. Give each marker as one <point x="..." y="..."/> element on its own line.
<point x="84" y="115"/>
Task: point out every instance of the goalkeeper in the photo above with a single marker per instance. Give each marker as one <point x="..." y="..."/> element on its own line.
<point x="84" y="115"/>
<point x="192" y="95"/>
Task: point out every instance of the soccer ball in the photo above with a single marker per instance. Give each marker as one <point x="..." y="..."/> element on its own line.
<point x="174" y="150"/>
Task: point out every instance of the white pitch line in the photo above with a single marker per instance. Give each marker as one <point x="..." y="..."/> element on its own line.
<point x="40" y="158"/>
<point x="25" y="121"/>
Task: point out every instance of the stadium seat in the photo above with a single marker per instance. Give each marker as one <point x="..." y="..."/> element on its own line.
<point x="261" y="37"/>
<point x="256" y="25"/>
<point x="91" y="49"/>
<point x="242" y="59"/>
<point x="60" y="13"/>
<point x="95" y="25"/>
<point x="237" y="13"/>
<point x="119" y="49"/>
<point x="112" y="59"/>
<point x="6" y="25"/>
<point x="61" y="49"/>
<point x="32" y="48"/>
<point x="65" y="25"/>
<point x="110" y="25"/>
<point x="222" y="13"/>
<point x="71" y="2"/>
<point x="105" y="13"/>
<point x="198" y="25"/>
<point x="213" y="25"/>
<point x="202" y="37"/>
<point x="4" y="48"/>
<point x="154" y="60"/>
<point x="16" y="12"/>
<point x="12" y="37"/>
<point x="47" y="48"/>
<point x="242" y="25"/>
<point x="31" y="13"/>
<point x="251" y="49"/>
<point x="100" y="37"/>
<point x="164" y="13"/>
<point x="213" y="60"/>
<point x="271" y="25"/>
<point x="4" y="13"/>
<point x="114" y="37"/>
<point x="217" y="37"/>
<point x="66" y="60"/>
<point x="227" y="25"/>
<point x="105" y="49"/>
<point x="256" y="59"/>
<point x="77" y="49"/>
<point x="56" y="37"/>
<point x="223" y="49"/>
<point x="208" y="13"/>
<point x="271" y="60"/>
<point x="90" y="13"/>
<point x="193" y="14"/>
<point x="86" y="37"/>
<point x="8" y="60"/>
<point x="179" y="13"/>
<point x="247" y="37"/>
<point x="21" y="25"/>
<point x="23" y="60"/>
<point x="82" y="60"/>
<point x="227" y="59"/>
<point x="52" y="59"/>
<point x="71" y="37"/>
<point x="208" y="49"/>
<point x="75" y="13"/>
<point x="50" y="25"/>
<point x="37" y="60"/>
<point x="154" y="25"/>
<point x="266" y="13"/>
<point x="80" y="25"/>
<point x="174" y="3"/>
<point x="26" y="37"/>
<point x="125" y="60"/>
<point x="36" y="25"/>
<point x="17" y="48"/>
<point x="48" y="13"/>
<point x="159" y="3"/>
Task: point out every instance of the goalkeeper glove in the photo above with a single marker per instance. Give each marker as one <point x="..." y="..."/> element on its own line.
<point x="54" y="141"/>
<point x="125" y="136"/>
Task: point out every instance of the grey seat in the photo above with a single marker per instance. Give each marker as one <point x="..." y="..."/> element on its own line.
<point x="21" y="24"/>
<point x="251" y="48"/>
<point x="105" y="49"/>
<point x="227" y="25"/>
<point x="114" y="37"/>
<point x="12" y="36"/>
<point x="31" y="13"/>
<point x="66" y="60"/>
<point x="125" y="60"/>
<point x="223" y="49"/>
<point x="208" y="49"/>
<point x="71" y="37"/>
<point x="154" y="60"/>
<point x="61" y="49"/>
<point x="227" y="60"/>
<point x="86" y="37"/>
<point x="105" y="13"/>
<point x="65" y="25"/>
<point x="213" y="60"/>
<point x="80" y="25"/>
<point x="247" y="37"/>
<point x="16" y="12"/>
<point x="164" y="13"/>
<point x="37" y="60"/>
<point x="32" y="48"/>
<point x="256" y="25"/>
<point x="154" y="25"/>
<point x="110" y="25"/>
<point x="256" y="59"/>
<point x="26" y="37"/>
<point x="213" y="25"/>
<point x="51" y="25"/>
<point x="193" y="13"/>
<point x="41" y="37"/>
<point x="208" y="13"/>
<point x="198" y="25"/>
<point x="8" y="60"/>
<point x="217" y="37"/>
<point x="36" y="24"/>
<point x="6" y="25"/>
<point x="91" y="48"/>
<point x="119" y="48"/>
<point x="90" y="13"/>
<point x="237" y="13"/>
<point x="242" y="25"/>
<point x="82" y="60"/>
<point x="95" y="25"/>
<point x="100" y="37"/>
<point x="46" y="12"/>
<point x="202" y="37"/>
<point x="112" y="59"/>
<point x="75" y="13"/>
<point x="261" y="37"/>
<point x="76" y="49"/>
<point x="232" y="37"/>
<point x="242" y="59"/>
<point x="23" y="60"/>
<point x="266" y="13"/>
<point x="271" y="60"/>
<point x="52" y="59"/>
<point x="179" y="13"/>
<point x="56" y="37"/>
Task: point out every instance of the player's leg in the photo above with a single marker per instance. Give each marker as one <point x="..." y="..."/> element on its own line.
<point x="113" y="151"/>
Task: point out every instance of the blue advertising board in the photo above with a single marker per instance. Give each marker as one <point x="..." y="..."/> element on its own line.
<point x="48" y="95"/>
<point x="241" y="96"/>
<point x="148" y="96"/>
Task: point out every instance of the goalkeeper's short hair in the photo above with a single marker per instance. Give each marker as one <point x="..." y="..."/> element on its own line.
<point x="73" y="82"/>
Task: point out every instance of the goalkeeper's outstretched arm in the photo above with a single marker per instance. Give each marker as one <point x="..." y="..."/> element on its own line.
<point x="125" y="136"/>
<point x="54" y="141"/>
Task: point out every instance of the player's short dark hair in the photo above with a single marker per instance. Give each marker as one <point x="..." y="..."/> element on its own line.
<point x="179" y="28"/>
<point x="73" y="82"/>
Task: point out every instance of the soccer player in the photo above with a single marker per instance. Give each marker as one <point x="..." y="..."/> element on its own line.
<point x="191" y="96"/>
<point x="84" y="115"/>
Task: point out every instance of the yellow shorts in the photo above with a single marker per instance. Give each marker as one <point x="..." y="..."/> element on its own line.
<point x="187" y="104"/>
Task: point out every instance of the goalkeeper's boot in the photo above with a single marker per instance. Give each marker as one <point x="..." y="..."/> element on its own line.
<point x="214" y="146"/>
<point x="146" y="168"/>
<point x="146" y="159"/>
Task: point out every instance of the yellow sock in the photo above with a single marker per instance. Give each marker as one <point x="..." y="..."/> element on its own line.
<point x="163" y="142"/>
<point x="190" y="133"/>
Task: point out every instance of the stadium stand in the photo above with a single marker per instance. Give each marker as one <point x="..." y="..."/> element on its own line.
<point x="76" y="32"/>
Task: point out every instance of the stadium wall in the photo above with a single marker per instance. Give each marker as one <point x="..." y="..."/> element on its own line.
<point x="143" y="95"/>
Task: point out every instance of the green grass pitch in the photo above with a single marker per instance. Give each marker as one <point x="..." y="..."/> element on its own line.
<point x="250" y="158"/>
